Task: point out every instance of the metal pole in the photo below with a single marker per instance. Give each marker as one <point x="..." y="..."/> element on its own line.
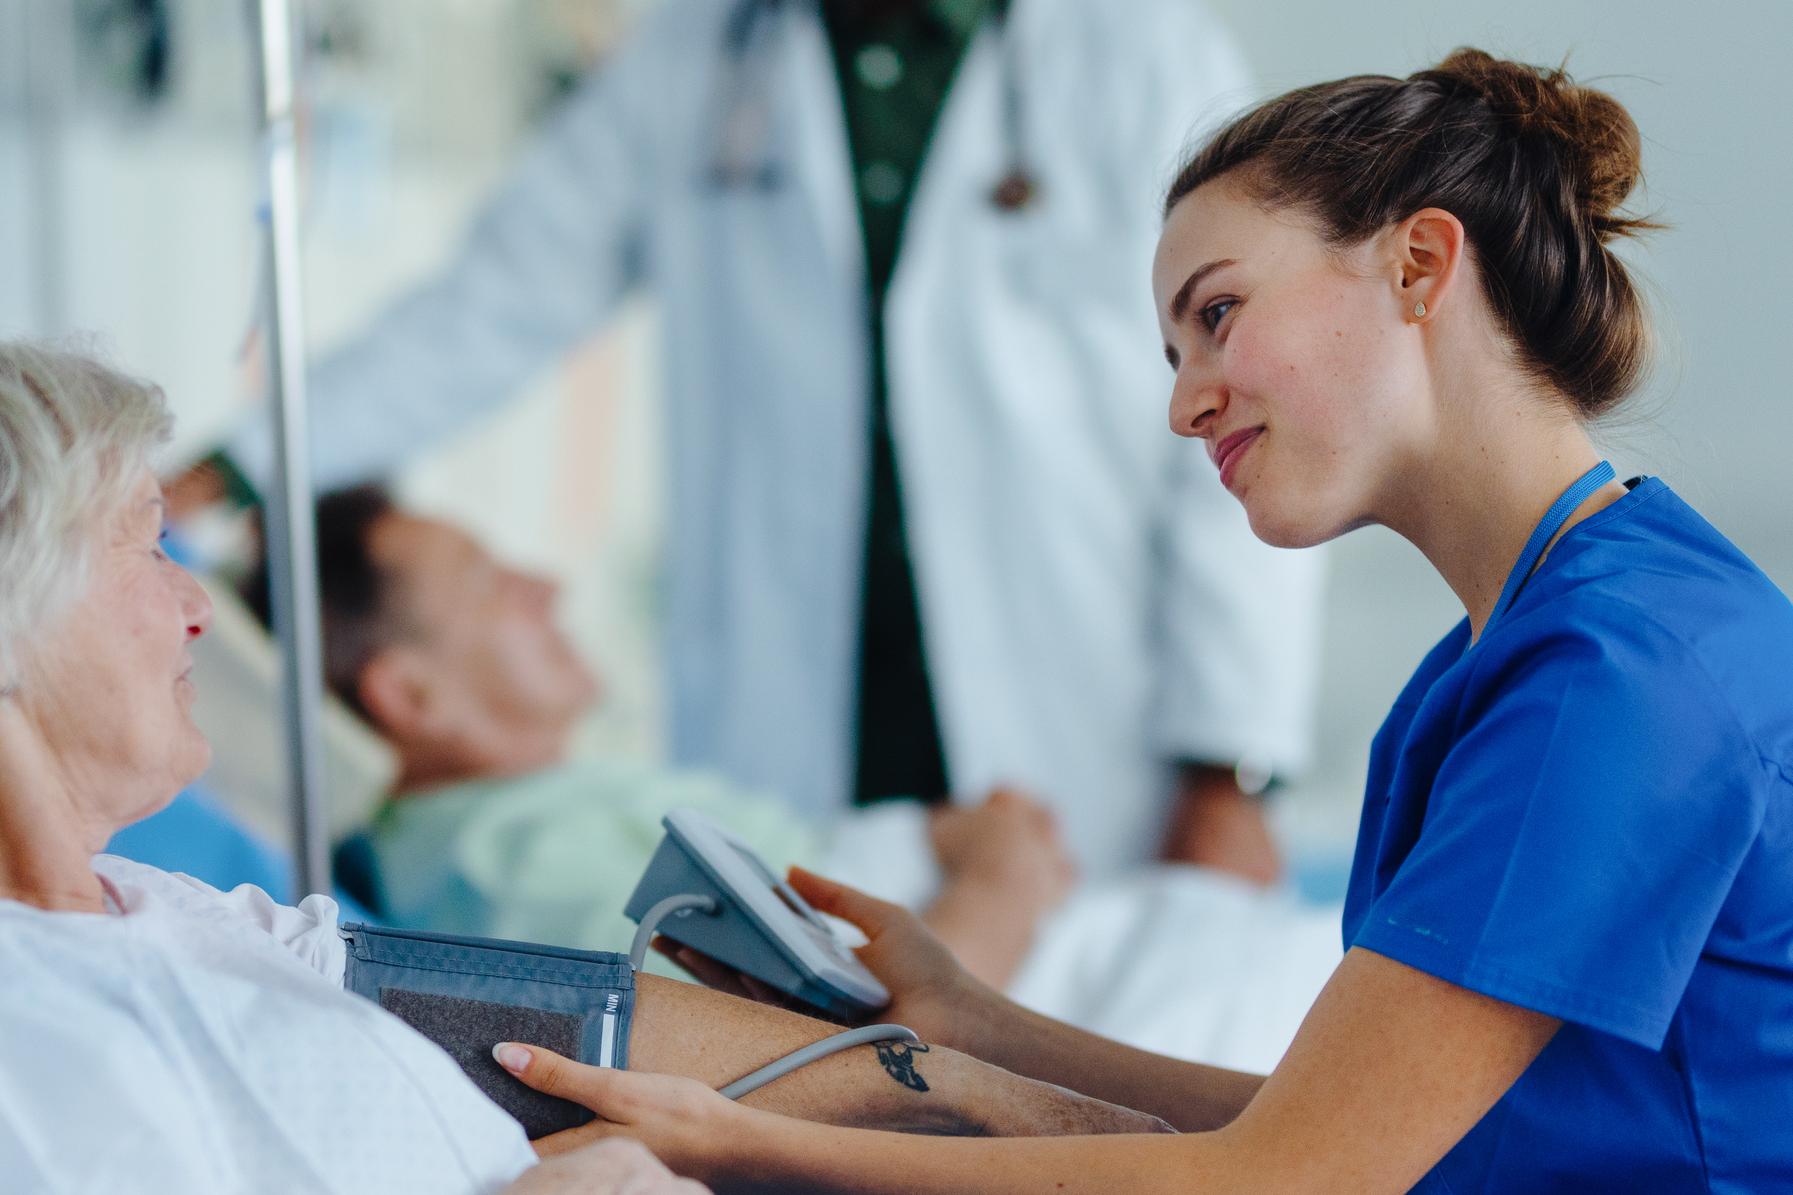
<point x="292" y="527"/>
<point x="47" y="52"/>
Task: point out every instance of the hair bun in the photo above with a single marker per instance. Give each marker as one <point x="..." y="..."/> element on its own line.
<point x="1597" y="136"/>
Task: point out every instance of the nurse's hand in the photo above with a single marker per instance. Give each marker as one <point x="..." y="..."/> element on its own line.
<point x="930" y="992"/>
<point x="615" y="1166"/>
<point x="684" y="1124"/>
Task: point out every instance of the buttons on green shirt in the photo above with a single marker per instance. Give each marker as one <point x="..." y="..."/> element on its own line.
<point x="879" y="67"/>
<point x="895" y="60"/>
<point x="881" y="183"/>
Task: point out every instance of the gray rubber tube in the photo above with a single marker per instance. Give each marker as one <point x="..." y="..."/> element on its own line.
<point x="865" y="1035"/>
<point x="658" y="913"/>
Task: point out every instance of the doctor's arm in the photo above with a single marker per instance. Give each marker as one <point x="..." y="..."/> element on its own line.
<point x="1236" y="622"/>
<point x="1238" y="628"/>
<point x="1390" y="1070"/>
<point x="546" y="262"/>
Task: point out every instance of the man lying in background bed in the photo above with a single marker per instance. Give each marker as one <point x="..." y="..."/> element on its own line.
<point x="457" y="660"/>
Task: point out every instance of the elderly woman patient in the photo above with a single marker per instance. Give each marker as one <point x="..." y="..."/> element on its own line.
<point x="161" y="1035"/>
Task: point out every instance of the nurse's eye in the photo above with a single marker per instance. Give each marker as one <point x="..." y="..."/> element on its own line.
<point x="1215" y="312"/>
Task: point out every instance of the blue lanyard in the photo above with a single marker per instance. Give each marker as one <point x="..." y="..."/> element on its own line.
<point x="1546" y="530"/>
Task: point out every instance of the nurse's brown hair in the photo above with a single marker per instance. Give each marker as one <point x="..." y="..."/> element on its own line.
<point x="1535" y="166"/>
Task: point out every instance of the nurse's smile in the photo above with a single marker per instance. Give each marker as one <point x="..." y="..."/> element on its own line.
<point x="1227" y="452"/>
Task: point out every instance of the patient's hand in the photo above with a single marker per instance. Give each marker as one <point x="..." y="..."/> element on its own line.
<point x="615" y="1166"/>
<point x="1009" y="843"/>
<point x="1005" y="869"/>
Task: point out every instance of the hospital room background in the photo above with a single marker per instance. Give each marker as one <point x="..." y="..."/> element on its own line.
<point x="128" y="195"/>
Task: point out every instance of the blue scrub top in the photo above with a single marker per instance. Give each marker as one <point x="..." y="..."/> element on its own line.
<point x="1589" y="813"/>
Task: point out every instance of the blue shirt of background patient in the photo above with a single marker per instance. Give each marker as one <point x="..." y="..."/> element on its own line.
<point x="1589" y="813"/>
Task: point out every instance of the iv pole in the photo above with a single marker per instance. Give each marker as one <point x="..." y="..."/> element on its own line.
<point x="291" y="524"/>
<point x="45" y="52"/>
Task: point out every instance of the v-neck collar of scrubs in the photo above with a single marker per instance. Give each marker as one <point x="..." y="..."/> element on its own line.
<point x="1639" y="488"/>
<point x="1545" y="534"/>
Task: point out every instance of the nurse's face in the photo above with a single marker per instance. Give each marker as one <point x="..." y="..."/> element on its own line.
<point x="1293" y="361"/>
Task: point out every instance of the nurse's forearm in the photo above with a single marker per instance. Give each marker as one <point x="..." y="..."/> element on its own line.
<point x="683" y="1029"/>
<point x="1192" y="1097"/>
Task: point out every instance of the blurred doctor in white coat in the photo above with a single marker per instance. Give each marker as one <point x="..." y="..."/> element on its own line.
<point x="1096" y="620"/>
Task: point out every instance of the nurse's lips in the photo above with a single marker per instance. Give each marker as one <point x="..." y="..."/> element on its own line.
<point x="1227" y="451"/>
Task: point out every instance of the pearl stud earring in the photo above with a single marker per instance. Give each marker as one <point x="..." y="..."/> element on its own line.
<point x="1419" y="311"/>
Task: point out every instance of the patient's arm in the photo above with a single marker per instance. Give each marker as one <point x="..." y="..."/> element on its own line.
<point x="684" y="1029"/>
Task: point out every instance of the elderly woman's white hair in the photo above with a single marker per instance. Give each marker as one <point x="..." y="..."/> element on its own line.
<point x="73" y="435"/>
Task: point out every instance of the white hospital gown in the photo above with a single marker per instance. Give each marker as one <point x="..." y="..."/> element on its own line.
<point x="202" y="1043"/>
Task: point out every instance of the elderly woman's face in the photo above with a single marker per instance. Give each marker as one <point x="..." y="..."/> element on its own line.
<point x="108" y="686"/>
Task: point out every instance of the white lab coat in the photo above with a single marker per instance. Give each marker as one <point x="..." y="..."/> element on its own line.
<point x="1093" y="603"/>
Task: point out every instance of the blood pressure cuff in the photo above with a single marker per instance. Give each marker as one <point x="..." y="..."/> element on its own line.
<point x="469" y="994"/>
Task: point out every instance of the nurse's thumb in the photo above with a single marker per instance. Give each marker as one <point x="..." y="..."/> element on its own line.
<point x="867" y="912"/>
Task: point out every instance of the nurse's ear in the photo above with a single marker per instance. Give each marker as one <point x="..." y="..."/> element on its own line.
<point x="1426" y="254"/>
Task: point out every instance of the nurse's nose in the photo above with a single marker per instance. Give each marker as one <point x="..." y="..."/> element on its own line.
<point x="1197" y="399"/>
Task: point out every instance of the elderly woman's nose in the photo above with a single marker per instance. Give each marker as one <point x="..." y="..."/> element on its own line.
<point x="542" y="591"/>
<point x="196" y="606"/>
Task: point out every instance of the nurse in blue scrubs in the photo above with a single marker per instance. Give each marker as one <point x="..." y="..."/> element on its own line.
<point x="1569" y="929"/>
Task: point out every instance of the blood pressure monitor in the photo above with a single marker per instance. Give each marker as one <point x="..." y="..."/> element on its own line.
<point x="758" y="924"/>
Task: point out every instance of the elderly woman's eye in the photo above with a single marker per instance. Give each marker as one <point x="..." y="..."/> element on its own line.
<point x="1214" y="312"/>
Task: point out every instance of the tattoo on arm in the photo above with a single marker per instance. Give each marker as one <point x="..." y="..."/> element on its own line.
<point x="899" y="1062"/>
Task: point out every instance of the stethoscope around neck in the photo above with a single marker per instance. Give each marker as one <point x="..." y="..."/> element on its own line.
<point x="743" y="160"/>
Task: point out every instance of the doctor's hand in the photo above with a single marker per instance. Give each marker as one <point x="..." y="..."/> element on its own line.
<point x="1009" y="844"/>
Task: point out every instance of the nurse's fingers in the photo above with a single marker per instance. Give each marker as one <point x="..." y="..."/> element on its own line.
<point x="680" y="1119"/>
<point x="723" y="978"/>
<point x="870" y="914"/>
<point x="621" y="1097"/>
<point x="556" y="1075"/>
<point x="703" y="968"/>
<point x="614" y="1166"/>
